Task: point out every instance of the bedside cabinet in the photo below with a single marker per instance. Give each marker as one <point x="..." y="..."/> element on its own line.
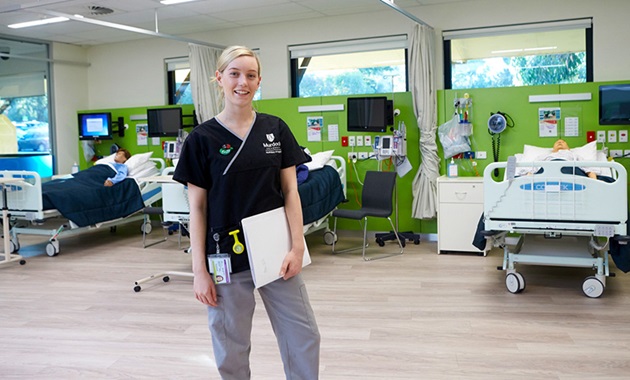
<point x="460" y="205"/>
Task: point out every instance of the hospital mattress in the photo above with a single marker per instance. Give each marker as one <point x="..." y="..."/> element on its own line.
<point x="320" y="193"/>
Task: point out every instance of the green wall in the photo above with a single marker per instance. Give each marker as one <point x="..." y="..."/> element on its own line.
<point x="513" y="101"/>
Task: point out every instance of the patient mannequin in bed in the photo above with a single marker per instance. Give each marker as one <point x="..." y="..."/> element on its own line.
<point x="561" y="151"/>
<point x="122" y="155"/>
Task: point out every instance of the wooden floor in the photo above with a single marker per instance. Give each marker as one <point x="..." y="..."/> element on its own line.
<point x="417" y="316"/>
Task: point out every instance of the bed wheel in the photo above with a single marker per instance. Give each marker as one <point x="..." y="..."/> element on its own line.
<point x="146" y="228"/>
<point x="521" y="281"/>
<point x="15" y="245"/>
<point x="22" y="262"/>
<point x="592" y="287"/>
<point x="380" y="242"/>
<point x="514" y="282"/>
<point x="166" y="278"/>
<point x="137" y="288"/>
<point x="330" y="238"/>
<point x="52" y="248"/>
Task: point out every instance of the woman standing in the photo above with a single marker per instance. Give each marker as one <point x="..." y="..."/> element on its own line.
<point x="238" y="164"/>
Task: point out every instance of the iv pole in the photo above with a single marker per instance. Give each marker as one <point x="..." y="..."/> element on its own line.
<point x="402" y="236"/>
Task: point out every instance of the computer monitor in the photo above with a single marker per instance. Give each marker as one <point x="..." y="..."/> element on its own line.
<point x="367" y="114"/>
<point x="614" y="104"/>
<point x="164" y="122"/>
<point x="95" y="126"/>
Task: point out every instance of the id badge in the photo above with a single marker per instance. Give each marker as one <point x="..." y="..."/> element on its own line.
<point x="220" y="267"/>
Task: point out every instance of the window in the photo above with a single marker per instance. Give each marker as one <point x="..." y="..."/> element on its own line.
<point x="364" y="66"/>
<point x="178" y="79"/>
<point x="519" y="55"/>
<point x="24" y="103"/>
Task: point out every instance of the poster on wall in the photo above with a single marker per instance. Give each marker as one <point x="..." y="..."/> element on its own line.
<point x="142" y="134"/>
<point x="548" y="122"/>
<point x="314" y="128"/>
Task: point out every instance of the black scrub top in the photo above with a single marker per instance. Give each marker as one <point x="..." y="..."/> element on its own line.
<point x="242" y="176"/>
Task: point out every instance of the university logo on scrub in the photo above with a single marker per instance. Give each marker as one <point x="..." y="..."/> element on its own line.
<point x="553" y="186"/>
<point x="272" y="147"/>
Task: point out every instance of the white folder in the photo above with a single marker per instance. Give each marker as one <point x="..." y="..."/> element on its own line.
<point x="268" y="241"/>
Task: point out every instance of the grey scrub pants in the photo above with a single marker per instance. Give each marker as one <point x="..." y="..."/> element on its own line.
<point x="291" y="317"/>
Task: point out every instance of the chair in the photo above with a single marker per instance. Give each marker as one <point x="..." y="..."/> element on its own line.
<point x="376" y="198"/>
<point x="147" y="227"/>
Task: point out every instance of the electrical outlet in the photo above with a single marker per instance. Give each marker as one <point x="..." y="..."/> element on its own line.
<point x="616" y="153"/>
<point x="352" y="155"/>
<point x="363" y="155"/>
<point x="612" y="136"/>
<point x="482" y="155"/>
<point x="351" y="141"/>
<point x="359" y="140"/>
<point x="367" y="140"/>
<point x="626" y="153"/>
<point x="601" y="136"/>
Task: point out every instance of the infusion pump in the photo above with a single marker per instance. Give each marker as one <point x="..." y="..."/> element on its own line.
<point x="171" y="149"/>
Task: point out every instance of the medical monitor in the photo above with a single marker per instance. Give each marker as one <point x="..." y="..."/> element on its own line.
<point x="164" y="122"/>
<point x="95" y="126"/>
<point x="614" y="104"/>
<point x="367" y="114"/>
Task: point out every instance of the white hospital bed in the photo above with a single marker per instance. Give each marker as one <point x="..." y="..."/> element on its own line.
<point x="339" y="164"/>
<point x="559" y="219"/>
<point x="27" y="213"/>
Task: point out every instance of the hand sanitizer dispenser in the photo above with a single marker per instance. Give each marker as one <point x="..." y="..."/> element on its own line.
<point x="451" y="170"/>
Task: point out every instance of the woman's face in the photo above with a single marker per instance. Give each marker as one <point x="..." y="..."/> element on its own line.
<point x="560" y="145"/>
<point x="240" y="80"/>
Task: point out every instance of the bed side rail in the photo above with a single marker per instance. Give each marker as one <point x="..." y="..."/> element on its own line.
<point x="340" y="166"/>
<point x="24" y="198"/>
<point x="541" y="200"/>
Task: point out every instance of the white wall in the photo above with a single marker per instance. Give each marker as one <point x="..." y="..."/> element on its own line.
<point x="70" y="89"/>
<point x="132" y="73"/>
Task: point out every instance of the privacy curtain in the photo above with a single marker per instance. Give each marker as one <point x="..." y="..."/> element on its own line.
<point x="422" y="74"/>
<point x="206" y="95"/>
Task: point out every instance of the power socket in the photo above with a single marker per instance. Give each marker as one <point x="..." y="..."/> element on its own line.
<point x="616" y="153"/>
<point x="352" y="156"/>
<point x="612" y="136"/>
<point x="367" y="140"/>
<point x="363" y="155"/>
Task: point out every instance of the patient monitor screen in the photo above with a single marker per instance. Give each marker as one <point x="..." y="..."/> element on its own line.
<point x="95" y="126"/>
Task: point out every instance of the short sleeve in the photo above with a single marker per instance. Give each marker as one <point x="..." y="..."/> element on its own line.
<point x="193" y="162"/>
<point x="292" y="152"/>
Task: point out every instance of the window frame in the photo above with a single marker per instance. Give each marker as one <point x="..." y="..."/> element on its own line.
<point x="339" y="47"/>
<point x="583" y="23"/>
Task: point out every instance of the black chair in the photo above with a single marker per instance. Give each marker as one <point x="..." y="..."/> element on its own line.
<point x="376" y="198"/>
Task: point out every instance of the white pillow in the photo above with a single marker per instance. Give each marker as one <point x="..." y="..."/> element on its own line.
<point x="106" y="159"/>
<point x="319" y="160"/>
<point x="534" y="153"/>
<point x="147" y="169"/>
<point x="586" y="152"/>
<point x="136" y="160"/>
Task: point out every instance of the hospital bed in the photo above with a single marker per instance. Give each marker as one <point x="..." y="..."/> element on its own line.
<point x="29" y="204"/>
<point x="560" y="218"/>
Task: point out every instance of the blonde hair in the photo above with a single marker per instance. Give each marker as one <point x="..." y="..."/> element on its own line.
<point x="233" y="52"/>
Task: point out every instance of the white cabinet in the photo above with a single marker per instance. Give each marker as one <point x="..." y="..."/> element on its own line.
<point x="460" y="205"/>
